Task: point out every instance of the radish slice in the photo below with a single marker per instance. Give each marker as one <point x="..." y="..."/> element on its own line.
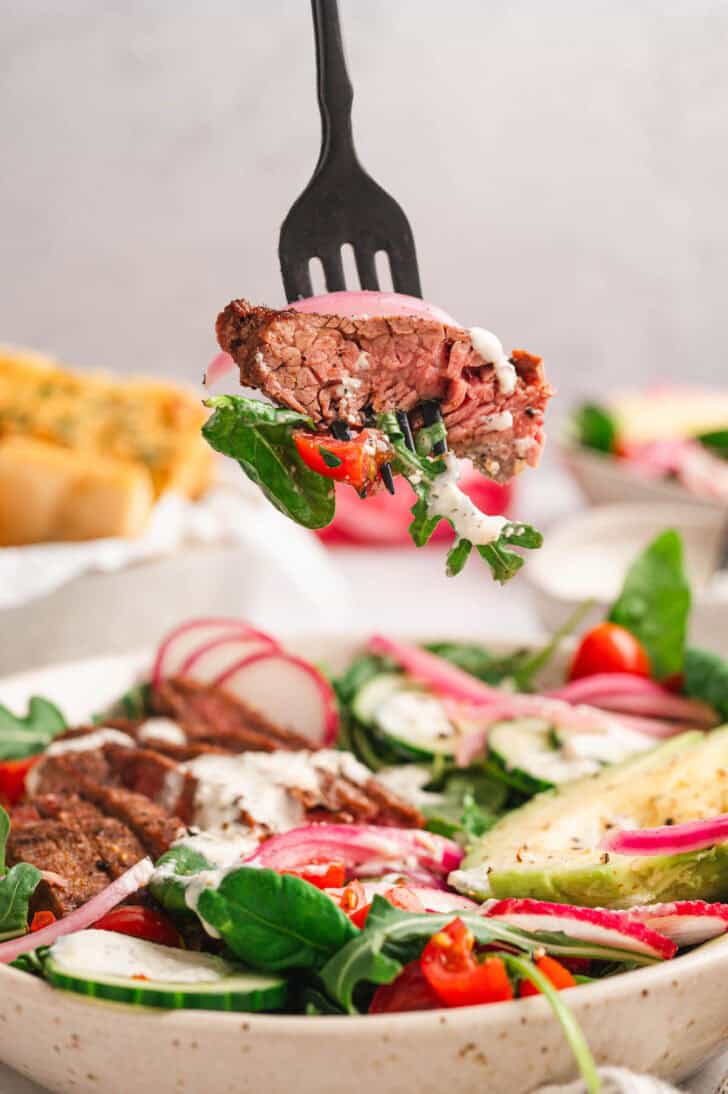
<point x="668" y="839"/>
<point x="213" y="659"/>
<point x="184" y="640"/>
<point x="289" y="691"/>
<point x="368" y="303"/>
<point x="686" y="922"/>
<point x="219" y="366"/>
<point x="359" y="846"/>
<point x="440" y="900"/>
<point x="82" y="917"/>
<point x="596" y="926"/>
<point x="442" y="677"/>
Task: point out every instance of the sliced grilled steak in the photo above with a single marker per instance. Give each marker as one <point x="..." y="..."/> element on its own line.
<point x="149" y="822"/>
<point x="330" y="368"/>
<point x="210" y="715"/>
<point x="70" y="838"/>
<point x="157" y="777"/>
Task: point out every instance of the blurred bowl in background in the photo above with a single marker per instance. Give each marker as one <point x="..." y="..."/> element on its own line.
<point x="585" y="557"/>
<point x="603" y="479"/>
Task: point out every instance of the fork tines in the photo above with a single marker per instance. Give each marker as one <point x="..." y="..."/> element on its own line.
<point x="431" y="414"/>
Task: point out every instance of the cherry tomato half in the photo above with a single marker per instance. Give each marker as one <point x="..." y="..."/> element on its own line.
<point x="554" y="971"/>
<point x="410" y="991"/>
<point x="355" y="462"/>
<point x="140" y="922"/>
<point x="12" y="778"/>
<point x="324" y="875"/>
<point x="609" y="648"/>
<point x="457" y="976"/>
<point x="41" y="920"/>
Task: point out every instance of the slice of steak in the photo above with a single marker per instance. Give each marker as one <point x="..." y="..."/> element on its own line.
<point x="64" y="772"/>
<point x="157" y="777"/>
<point x="149" y="822"/>
<point x="210" y="715"/>
<point x="116" y="846"/>
<point x="334" y="368"/>
<point x="59" y="844"/>
<point x="391" y="809"/>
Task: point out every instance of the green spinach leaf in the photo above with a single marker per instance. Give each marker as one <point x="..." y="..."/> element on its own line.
<point x="259" y="437"/>
<point x="275" y="921"/>
<point x="595" y="428"/>
<point x="716" y="442"/>
<point x="16" y="888"/>
<point x="654" y="603"/>
<point x="706" y="677"/>
<point x="25" y="736"/>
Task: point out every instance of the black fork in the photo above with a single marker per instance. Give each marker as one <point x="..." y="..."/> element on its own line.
<point x="342" y="203"/>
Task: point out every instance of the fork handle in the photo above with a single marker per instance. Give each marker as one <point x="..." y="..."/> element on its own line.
<point x="335" y="93"/>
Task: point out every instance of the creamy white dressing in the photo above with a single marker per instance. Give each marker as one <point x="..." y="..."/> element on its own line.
<point x="497" y="423"/>
<point x="490" y="348"/>
<point x="258" y="785"/>
<point x="448" y="500"/>
<point x="89" y="741"/>
<point x="104" y="953"/>
<point x="162" y="729"/>
<point x="408" y="781"/>
<point x="614" y="744"/>
<point x="221" y="850"/>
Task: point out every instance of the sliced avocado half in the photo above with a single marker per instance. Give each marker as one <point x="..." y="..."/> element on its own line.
<point x="549" y="848"/>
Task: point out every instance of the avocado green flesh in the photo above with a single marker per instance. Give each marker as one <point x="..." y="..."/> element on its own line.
<point x="549" y="849"/>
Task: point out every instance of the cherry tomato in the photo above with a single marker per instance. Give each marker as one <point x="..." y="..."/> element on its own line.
<point x="140" y="922"/>
<point x="410" y="991"/>
<point x="324" y="875"/>
<point x="352" y="900"/>
<point x="355" y="462"/>
<point x="12" y="778"/>
<point x="455" y="974"/>
<point x="41" y="920"/>
<point x="609" y="648"/>
<point x="554" y="971"/>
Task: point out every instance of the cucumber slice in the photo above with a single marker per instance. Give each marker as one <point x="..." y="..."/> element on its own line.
<point x="531" y="752"/>
<point x="371" y="695"/>
<point x="122" y="969"/>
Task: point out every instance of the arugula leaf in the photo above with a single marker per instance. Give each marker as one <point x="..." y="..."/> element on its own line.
<point x="705" y="676"/>
<point x="275" y="921"/>
<point x="16" y="888"/>
<point x="457" y="556"/>
<point x="472" y="802"/>
<point x="654" y="603"/>
<point x="391" y="938"/>
<point x="716" y="442"/>
<point x="578" y="1043"/>
<point x="25" y="736"/>
<point x="595" y="428"/>
<point x="421" y="471"/>
<point x="259" y="436"/>
<point x="168" y="883"/>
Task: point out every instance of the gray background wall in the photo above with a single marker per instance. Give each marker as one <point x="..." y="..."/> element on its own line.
<point x="564" y="165"/>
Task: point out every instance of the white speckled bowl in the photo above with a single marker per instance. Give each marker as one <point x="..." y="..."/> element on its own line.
<point x="666" y="1019"/>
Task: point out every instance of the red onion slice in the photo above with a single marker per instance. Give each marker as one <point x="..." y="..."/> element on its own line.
<point x="623" y="692"/>
<point x="219" y="366"/>
<point x="82" y="917"/>
<point x="668" y="839"/>
<point x="359" y="847"/>
<point x="443" y="677"/>
<point x="367" y="303"/>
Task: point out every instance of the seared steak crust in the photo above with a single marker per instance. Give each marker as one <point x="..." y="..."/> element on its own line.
<point x="330" y="367"/>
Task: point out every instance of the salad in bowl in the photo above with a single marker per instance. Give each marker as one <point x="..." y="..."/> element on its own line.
<point x="431" y="828"/>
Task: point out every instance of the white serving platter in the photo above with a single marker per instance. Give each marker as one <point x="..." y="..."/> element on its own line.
<point x="667" y="1019"/>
